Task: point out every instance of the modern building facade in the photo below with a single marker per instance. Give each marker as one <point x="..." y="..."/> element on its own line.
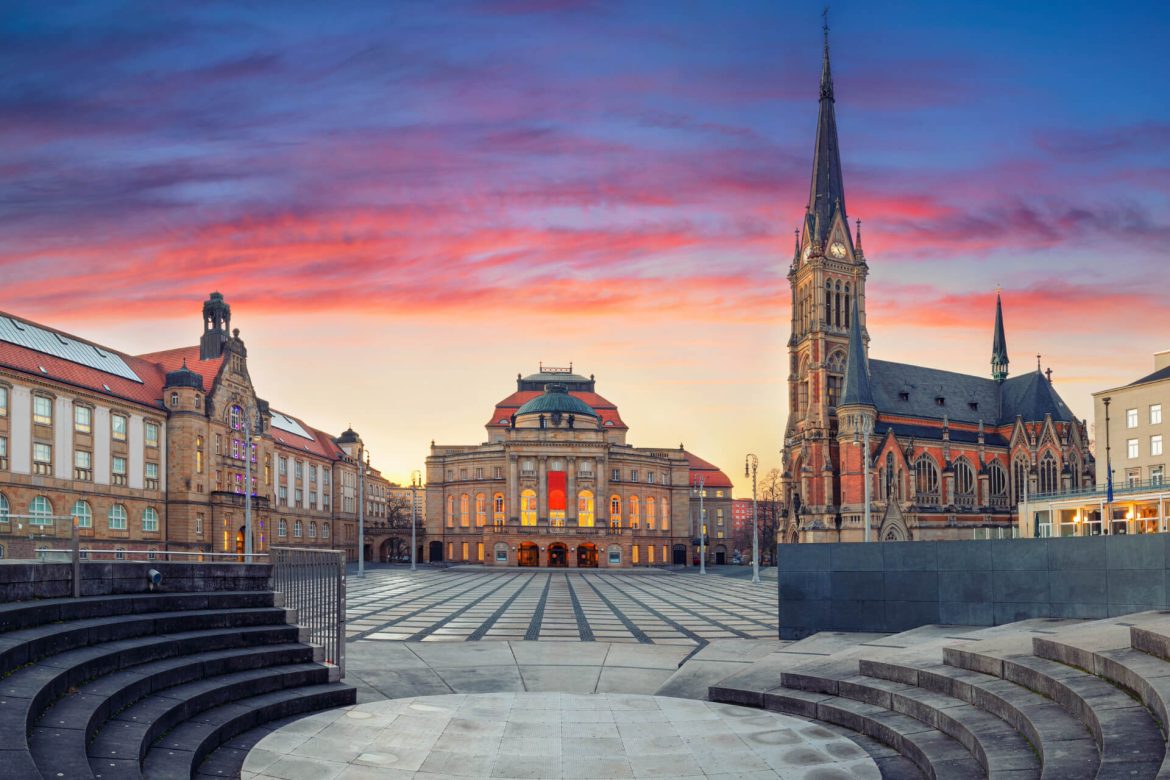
<point x="1132" y="432"/>
<point x="556" y="484"/>
<point x="948" y="455"/>
<point x="152" y="452"/>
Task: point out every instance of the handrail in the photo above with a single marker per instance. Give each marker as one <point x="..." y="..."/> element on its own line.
<point x="313" y="583"/>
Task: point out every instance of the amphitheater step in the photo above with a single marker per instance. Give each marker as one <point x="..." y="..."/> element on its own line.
<point x="1067" y="750"/>
<point x="1125" y="732"/>
<point x="178" y="755"/>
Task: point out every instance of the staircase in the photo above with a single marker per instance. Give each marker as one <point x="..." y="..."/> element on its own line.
<point x="149" y="684"/>
<point x="1036" y="699"/>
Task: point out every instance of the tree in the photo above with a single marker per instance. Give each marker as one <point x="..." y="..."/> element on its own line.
<point x="397" y="523"/>
<point x="769" y="494"/>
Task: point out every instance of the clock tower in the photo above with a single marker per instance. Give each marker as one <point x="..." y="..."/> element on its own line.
<point x="827" y="278"/>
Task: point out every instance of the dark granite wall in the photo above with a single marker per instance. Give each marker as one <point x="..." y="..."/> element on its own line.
<point x="25" y="581"/>
<point x="895" y="586"/>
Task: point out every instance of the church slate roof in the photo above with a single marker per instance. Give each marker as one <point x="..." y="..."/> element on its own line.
<point x="930" y="433"/>
<point x="913" y="391"/>
<point x="857" y="390"/>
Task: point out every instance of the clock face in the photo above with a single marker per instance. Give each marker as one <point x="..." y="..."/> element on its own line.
<point x="807" y="252"/>
<point x="837" y="250"/>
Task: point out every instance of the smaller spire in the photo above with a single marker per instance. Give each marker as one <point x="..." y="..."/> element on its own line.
<point x="826" y="73"/>
<point x="796" y="255"/>
<point x="857" y="390"/>
<point x="999" y="355"/>
<point x="859" y="236"/>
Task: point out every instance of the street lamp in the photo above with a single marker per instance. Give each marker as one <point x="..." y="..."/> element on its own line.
<point x="752" y="464"/>
<point x="415" y="481"/>
<point x="866" y="428"/>
<point x="247" y="488"/>
<point x="362" y="511"/>
<point x="702" y="527"/>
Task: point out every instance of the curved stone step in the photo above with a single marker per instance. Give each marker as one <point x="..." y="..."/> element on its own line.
<point x="27" y="614"/>
<point x="1150" y="641"/>
<point x="74" y="719"/>
<point x="132" y="733"/>
<point x="1000" y="749"/>
<point x="177" y="755"/>
<point x="1125" y="732"/>
<point x="936" y="754"/>
<point x="1067" y="749"/>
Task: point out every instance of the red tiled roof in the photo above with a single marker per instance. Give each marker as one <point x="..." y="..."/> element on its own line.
<point x="320" y="445"/>
<point x="172" y="360"/>
<point x="709" y="472"/>
<point x="506" y="408"/>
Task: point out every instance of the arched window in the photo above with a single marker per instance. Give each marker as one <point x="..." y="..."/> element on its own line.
<point x="480" y="510"/>
<point x="312" y="529"/>
<point x="802" y="393"/>
<point x="464" y="511"/>
<point x="1074" y="470"/>
<point x="891" y="478"/>
<point x="450" y="511"/>
<point x="837" y="320"/>
<point x="324" y="530"/>
<point x="117" y="518"/>
<point x="41" y="511"/>
<point x="635" y="519"/>
<point x="528" y="507"/>
<point x="828" y="303"/>
<point x="925" y="480"/>
<point x="83" y="513"/>
<point x="996" y="481"/>
<point x="149" y="520"/>
<point x="1019" y="479"/>
<point x="964" y="480"/>
<point x="585" y="517"/>
<point x="1049" y="474"/>
<point x="298" y="529"/>
<point x="615" y="511"/>
<point x="848" y="310"/>
<point x="498" y="516"/>
<point x="835" y="367"/>
<point x="174" y="399"/>
<point x="665" y="517"/>
<point x="236" y="418"/>
<point x="282" y="528"/>
<point x="198" y="454"/>
<point x="4" y="509"/>
<point x="651" y="521"/>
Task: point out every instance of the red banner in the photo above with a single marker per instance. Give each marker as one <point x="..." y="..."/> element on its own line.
<point x="557" y="482"/>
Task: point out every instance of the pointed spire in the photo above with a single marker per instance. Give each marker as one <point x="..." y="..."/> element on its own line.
<point x="856" y="390"/>
<point x="796" y="256"/>
<point x="827" y="192"/>
<point x="999" y="355"/>
<point x="858" y="243"/>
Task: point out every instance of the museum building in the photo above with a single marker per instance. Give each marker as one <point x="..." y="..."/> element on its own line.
<point x="557" y="485"/>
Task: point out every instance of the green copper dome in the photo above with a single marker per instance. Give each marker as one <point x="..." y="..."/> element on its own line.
<point x="556" y="398"/>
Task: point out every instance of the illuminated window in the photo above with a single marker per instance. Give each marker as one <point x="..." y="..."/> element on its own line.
<point x="480" y="510"/>
<point x="634" y="554"/>
<point x="585" y="517"/>
<point x="42" y="410"/>
<point x="650" y="519"/>
<point x="528" y="507"/>
<point x="117" y="518"/>
<point x="83" y="419"/>
<point x="464" y="511"/>
<point x="615" y="511"/>
<point x="665" y="516"/>
<point x="498" y="515"/>
<point x="650" y="554"/>
<point x="635" y="519"/>
<point x="198" y="454"/>
<point x="450" y="511"/>
<point x="149" y="520"/>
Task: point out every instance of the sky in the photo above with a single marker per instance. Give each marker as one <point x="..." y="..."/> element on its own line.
<point x="408" y="203"/>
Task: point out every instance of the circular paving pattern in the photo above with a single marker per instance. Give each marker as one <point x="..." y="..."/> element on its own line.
<point x="554" y="735"/>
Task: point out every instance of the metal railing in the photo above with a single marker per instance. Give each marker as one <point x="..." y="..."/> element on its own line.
<point x="313" y="583"/>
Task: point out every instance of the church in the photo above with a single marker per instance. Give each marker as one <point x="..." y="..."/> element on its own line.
<point x="946" y="455"/>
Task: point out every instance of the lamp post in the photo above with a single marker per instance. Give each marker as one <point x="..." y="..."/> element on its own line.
<point x="702" y="528"/>
<point x="247" y="488"/>
<point x="752" y="464"/>
<point x="415" y="480"/>
<point x="866" y="427"/>
<point x="362" y="512"/>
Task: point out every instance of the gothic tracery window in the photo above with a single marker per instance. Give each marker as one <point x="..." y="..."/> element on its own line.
<point x="996" y="481"/>
<point x="835" y="368"/>
<point x="1049" y="474"/>
<point x="1019" y="479"/>
<point x="891" y="488"/>
<point x="925" y="480"/>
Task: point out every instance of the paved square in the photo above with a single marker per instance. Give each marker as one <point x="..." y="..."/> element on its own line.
<point x="470" y="605"/>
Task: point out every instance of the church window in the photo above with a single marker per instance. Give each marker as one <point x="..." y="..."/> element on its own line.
<point x="996" y="481"/>
<point x="528" y="507"/>
<point x="847" y="309"/>
<point x="1074" y="470"/>
<point x="480" y="510"/>
<point x="964" y="481"/>
<point x="891" y="478"/>
<point x="1019" y="479"/>
<point x="925" y="480"/>
<point x="585" y="517"/>
<point x="1048" y="474"/>
<point x="828" y="303"/>
<point x="464" y="511"/>
<point x="836" y="377"/>
<point x="837" y="320"/>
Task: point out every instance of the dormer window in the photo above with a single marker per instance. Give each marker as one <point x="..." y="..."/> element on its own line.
<point x="973" y="405"/>
<point x="903" y="396"/>
<point x="940" y="401"/>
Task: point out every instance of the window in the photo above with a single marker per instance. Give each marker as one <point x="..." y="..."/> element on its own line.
<point x="283" y="493"/>
<point x="83" y="419"/>
<point x="324" y="530"/>
<point x="1131" y="418"/>
<point x="236" y="448"/>
<point x="501" y="552"/>
<point x="615" y="511"/>
<point x="218" y="444"/>
<point x="665" y="516"/>
<point x="1155" y="414"/>
<point x="118" y="470"/>
<point x="299" y="470"/>
<point x="151" y="434"/>
<point x="174" y="399"/>
<point x="1157" y="475"/>
<point x="198" y="402"/>
<point x="585" y="510"/>
<point x="616" y="475"/>
<point x="1131" y="448"/>
<point x="4" y="452"/>
<point x="42" y="458"/>
<point x="634" y="554"/>
<point x="119" y="553"/>
<point x="650" y="477"/>
<point x="313" y="529"/>
<point x="236" y="418"/>
<point x="615" y="556"/>
<point x="42" y="410"/>
<point x="3" y="508"/>
<point x="198" y="454"/>
<point x="84" y="514"/>
<point x="926" y="479"/>
<point x="3" y="401"/>
<point x="282" y="528"/>
<point x="199" y="525"/>
<point x="1019" y="479"/>
<point x="498" y="472"/>
<point x="117" y="518"/>
<point x="633" y="475"/>
<point x="118" y="427"/>
<point x="479" y="473"/>
<point x="152" y="476"/>
<point x="149" y="520"/>
<point x="996" y="481"/>
<point x="464" y="511"/>
<point x="299" y="497"/>
<point x="450" y="511"/>
<point x="528" y="507"/>
<point x="651" y="520"/>
<point x="964" y="479"/>
<point x="1156" y="445"/>
<point x="480" y="510"/>
<point x="83" y="465"/>
<point x="298" y="529"/>
<point x="1049" y="474"/>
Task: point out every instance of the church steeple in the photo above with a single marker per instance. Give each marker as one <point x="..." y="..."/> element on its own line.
<point x="999" y="355"/>
<point x="827" y="193"/>
<point x="857" y="391"/>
